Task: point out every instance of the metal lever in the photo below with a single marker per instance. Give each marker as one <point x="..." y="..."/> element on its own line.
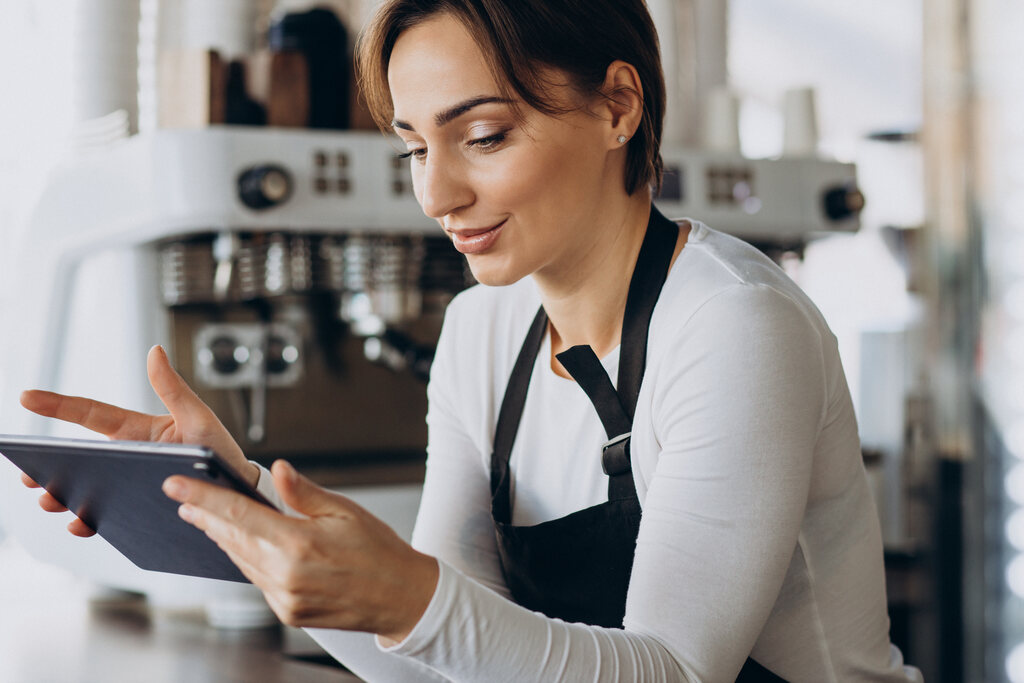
<point x="225" y="249"/>
<point x="399" y="353"/>
<point x="257" y="429"/>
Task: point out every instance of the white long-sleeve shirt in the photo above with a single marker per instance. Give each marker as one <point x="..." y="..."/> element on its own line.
<point x="758" y="535"/>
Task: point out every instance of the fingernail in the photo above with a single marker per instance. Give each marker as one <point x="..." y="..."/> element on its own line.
<point x="174" y="488"/>
<point x="186" y="513"/>
<point x="289" y="472"/>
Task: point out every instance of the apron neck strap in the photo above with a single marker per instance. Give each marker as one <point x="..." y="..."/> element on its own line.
<point x="649" y="275"/>
<point x="615" y="408"/>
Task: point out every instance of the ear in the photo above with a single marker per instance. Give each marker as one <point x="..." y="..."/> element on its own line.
<point x="623" y="104"/>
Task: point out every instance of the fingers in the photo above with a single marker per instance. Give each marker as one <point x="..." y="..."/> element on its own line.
<point x="99" y="417"/>
<point x="302" y="495"/>
<point x="46" y="501"/>
<point x="212" y="501"/>
<point x="51" y="504"/>
<point x="78" y="528"/>
<point x="248" y="569"/>
<point x="182" y="403"/>
<point x="233" y="521"/>
<point x="28" y="481"/>
<point x="192" y="419"/>
<point x="229" y="537"/>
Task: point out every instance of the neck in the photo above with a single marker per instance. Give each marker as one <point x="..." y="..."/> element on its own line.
<point x="586" y="299"/>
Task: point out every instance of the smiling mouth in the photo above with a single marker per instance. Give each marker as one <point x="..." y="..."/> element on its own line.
<point x="472" y="232"/>
<point x="475" y="241"/>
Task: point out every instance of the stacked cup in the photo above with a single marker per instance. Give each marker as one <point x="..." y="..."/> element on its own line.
<point x="227" y="26"/>
<point x="105" y="60"/>
<point x="800" y="136"/>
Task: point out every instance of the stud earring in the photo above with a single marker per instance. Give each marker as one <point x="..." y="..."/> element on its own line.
<point x="622" y="139"/>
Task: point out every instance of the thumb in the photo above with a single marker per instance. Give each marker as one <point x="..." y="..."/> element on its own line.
<point x="302" y="495"/>
<point x="179" y="399"/>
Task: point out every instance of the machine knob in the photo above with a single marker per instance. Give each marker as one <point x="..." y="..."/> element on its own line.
<point x="843" y="202"/>
<point x="262" y="187"/>
<point x="280" y="355"/>
<point x="227" y="355"/>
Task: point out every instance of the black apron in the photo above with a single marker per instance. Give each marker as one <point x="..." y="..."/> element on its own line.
<point x="577" y="568"/>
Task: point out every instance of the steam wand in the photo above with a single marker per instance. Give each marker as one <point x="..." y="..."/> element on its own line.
<point x="398" y="352"/>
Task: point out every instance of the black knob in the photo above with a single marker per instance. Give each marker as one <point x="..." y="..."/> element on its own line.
<point x="262" y="187"/>
<point x="226" y="356"/>
<point x="280" y="355"/>
<point x="843" y="202"/>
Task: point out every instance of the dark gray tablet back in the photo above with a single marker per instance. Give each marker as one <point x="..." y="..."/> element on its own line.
<point x="114" y="487"/>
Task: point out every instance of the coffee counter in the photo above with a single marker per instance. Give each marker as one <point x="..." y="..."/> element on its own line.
<point x="54" y="628"/>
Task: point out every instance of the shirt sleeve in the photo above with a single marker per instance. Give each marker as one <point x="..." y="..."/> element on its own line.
<point x="265" y="486"/>
<point x="738" y="405"/>
<point x="737" y="414"/>
<point x="360" y="655"/>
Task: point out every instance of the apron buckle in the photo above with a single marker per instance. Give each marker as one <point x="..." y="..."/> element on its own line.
<point x="615" y="455"/>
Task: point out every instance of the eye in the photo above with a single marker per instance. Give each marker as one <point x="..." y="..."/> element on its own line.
<point x="419" y="153"/>
<point x="489" y="143"/>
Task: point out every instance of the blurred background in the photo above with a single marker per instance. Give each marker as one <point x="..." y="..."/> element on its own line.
<point x="202" y="174"/>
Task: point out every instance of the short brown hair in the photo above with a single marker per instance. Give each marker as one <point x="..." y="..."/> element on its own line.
<point x="578" y="37"/>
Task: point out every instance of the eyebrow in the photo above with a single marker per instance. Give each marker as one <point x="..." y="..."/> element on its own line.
<point x="452" y="113"/>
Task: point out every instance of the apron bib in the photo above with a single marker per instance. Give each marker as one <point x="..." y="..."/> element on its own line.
<point x="577" y="568"/>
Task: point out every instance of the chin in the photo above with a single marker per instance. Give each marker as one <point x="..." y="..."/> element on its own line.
<point x="494" y="274"/>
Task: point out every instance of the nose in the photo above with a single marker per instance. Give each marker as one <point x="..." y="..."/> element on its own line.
<point x="442" y="187"/>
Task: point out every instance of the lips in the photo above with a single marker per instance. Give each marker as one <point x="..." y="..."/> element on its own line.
<point x="476" y="240"/>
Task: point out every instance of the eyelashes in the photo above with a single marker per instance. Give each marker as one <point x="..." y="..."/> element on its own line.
<point x="490" y="142"/>
<point x="485" y="144"/>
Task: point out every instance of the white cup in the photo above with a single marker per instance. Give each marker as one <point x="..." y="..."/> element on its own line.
<point x="800" y="136"/>
<point x="722" y="121"/>
<point x="226" y="26"/>
<point x="106" y="19"/>
<point x="105" y="58"/>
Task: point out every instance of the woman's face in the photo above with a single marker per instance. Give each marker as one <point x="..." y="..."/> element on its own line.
<point x="518" y="196"/>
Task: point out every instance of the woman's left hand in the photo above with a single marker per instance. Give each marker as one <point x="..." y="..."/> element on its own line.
<point x="340" y="567"/>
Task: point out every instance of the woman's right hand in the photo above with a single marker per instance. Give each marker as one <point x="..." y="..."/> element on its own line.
<point x="189" y="421"/>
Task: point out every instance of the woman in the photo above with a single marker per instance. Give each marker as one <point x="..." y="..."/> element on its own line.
<point x="704" y="519"/>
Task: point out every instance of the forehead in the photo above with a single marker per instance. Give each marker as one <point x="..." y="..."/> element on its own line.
<point x="434" y="65"/>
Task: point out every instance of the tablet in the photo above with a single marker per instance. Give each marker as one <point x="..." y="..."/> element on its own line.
<point x="115" y="488"/>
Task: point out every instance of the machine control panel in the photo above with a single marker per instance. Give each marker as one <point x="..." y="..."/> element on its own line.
<point x="784" y="202"/>
<point x="235" y="355"/>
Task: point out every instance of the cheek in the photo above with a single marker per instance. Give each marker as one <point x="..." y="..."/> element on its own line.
<point x="541" y="176"/>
